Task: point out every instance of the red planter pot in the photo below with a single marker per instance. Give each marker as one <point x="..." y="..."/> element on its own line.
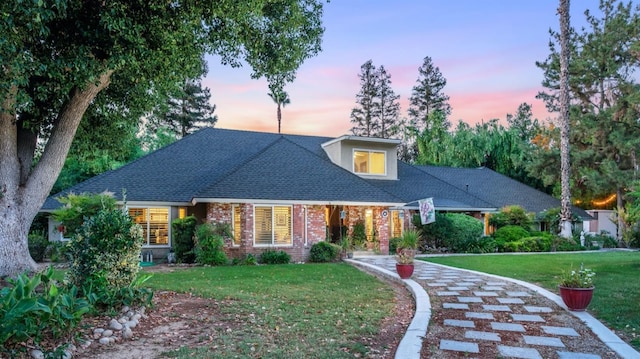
<point x="577" y="299"/>
<point x="405" y="271"/>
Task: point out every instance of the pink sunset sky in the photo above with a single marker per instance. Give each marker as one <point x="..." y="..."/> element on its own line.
<point x="485" y="49"/>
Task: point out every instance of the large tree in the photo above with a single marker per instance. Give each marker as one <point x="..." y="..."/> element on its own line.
<point x="186" y="111"/>
<point x="387" y="109"/>
<point x="565" y="166"/>
<point x="362" y="116"/>
<point x="427" y="97"/>
<point x="604" y="99"/>
<point x="59" y="56"/>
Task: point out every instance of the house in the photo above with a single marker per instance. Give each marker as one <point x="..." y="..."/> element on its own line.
<point x="280" y="191"/>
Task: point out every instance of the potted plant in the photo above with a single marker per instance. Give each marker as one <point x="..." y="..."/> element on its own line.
<point x="347" y="248"/>
<point x="405" y="253"/>
<point x="576" y="288"/>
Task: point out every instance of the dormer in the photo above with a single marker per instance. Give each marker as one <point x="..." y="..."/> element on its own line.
<point x="367" y="157"/>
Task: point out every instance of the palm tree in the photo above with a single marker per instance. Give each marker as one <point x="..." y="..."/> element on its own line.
<point x="281" y="98"/>
<point x="565" y="200"/>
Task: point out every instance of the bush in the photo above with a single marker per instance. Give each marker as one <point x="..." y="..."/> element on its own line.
<point x="512" y="216"/>
<point x="106" y="249"/>
<point x="77" y="208"/>
<point x="249" y="260"/>
<point x="358" y="234"/>
<point x="393" y="244"/>
<point x="565" y="244"/>
<point x="323" y="252"/>
<point x="37" y="309"/>
<point x="209" y="245"/>
<point x="510" y="233"/>
<point x="456" y="232"/>
<point x="540" y="243"/>
<point x="271" y="256"/>
<point x="183" y="232"/>
<point x="38" y="244"/>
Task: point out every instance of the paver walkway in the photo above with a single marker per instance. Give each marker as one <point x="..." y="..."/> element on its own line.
<point x="478" y="315"/>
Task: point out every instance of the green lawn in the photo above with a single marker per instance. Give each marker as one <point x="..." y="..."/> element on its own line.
<point x="290" y="311"/>
<point x="617" y="293"/>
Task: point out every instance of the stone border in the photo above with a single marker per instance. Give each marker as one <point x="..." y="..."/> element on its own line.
<point x="411" y="344"/>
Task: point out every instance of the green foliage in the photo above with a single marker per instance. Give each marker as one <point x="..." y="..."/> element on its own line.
<point x="582" y="278"/>
<point x="358" y="234"/>
<point x="77" y="208"/>
<point x="35" y="308"/>
<point x="512" y="216"/>
<point x="456" y="232"/>
<point x="409" y="239"/>
<point x="38" y="243"/>
<point x="248" y="260"/>
<point x="105" y="298"/>
<point x="209" y="245"/>
<point x="323" y="252"/>
<point x="393" y="244"/>
<point x="106" y="250"/>
<point x="58" y="252"/>
<point x="507" y="234"/>
<point x="541" y="243"/>
<point x="183" y="230"/>
<point x="271" y="256"/>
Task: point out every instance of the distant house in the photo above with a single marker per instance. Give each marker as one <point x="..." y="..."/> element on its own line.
<point x="289" y="191"/>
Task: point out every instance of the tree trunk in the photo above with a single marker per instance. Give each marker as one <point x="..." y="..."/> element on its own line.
<point x="279" y="117"/>
<point x="621" y="223"/>
<point x="565" y="168"/>
<point x="22" y="194"/>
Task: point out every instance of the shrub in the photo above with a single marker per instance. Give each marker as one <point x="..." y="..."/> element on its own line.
<point x="510" y="233"/>
<point x="565" y="244"/>
<point x="512" y="216"/>
<point x="271" y="256"/>
<point x="38" y="244"/>
<point x="209" y="245"/>
<point x="359" y="234"/>
<point x="106" y="249"/>
<point x="456" y="232"/>
<point x="109" y="299"/>
<point x="183" y="232"/>
<point x="36" y="308"/>
<point x="249" y="260"/>
<point x="393" y="244"/>
<point x="529" y="244"/>
<point x="323" y="252"/>
<point x="77" y="208"/>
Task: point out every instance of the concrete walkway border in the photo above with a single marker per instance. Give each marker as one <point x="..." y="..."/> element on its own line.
<point x="411" y="344"/>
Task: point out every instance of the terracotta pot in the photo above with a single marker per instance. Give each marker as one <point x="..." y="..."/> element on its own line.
<point x="404" y="270"/>
<point x="576" y="299"/>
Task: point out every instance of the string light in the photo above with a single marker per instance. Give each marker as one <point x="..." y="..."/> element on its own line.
<point x="605" y="201"/>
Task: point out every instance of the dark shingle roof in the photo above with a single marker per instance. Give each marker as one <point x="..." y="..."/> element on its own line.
<point x="497" y="188"/>
<point x="414" y="184"/>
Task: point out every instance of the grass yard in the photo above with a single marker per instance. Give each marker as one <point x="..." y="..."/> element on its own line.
<point x="285" y="311"/>
<point x="615" y="299"/>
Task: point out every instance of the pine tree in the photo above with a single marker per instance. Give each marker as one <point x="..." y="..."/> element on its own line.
<point x="387" y="108"/>
<point x="186" y="112"/>
<point x="427" y="98"/>
<point x="363" y="116"/>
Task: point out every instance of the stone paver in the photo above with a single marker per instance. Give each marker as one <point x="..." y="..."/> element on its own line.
<point x="570" y="355"/>
<point x="546" y="341"/>
<point x="527" y="318"/>
<point x="455" y="306"/>
<point x="497" y="308"/>
<point x="472" y="334"/>
<point x="447" y="293"/>
<point x="517" y="352"/>
<point x="510" y="300"/>
<point x="560" y="331"/>
<point x="465" y="347"/>
<point x="459" y="323"/>
<point x="518" y="294"/>
<point x="485" y="294"/>
<point x="478" y="315"/>
<point x="511" y="327"/>
<point x="533" y="309"/>
<point x="470" y="300"/>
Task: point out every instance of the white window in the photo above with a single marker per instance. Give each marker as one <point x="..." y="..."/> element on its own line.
<point x="155" y="224"/>
<point x="369" y="162"/>
<point x="272" y="225"/>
